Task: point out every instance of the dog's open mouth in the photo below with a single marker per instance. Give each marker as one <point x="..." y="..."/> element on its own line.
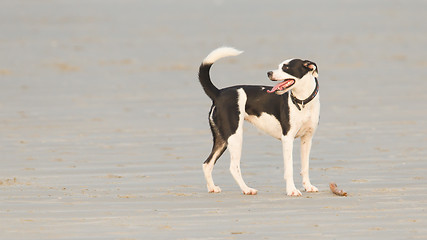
<point x="282" y="86"/>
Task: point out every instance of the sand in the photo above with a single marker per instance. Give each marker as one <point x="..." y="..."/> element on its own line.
<point x="104" y="127"/>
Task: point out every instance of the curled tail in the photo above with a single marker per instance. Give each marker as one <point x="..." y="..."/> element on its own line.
<point x="206" y="65"/>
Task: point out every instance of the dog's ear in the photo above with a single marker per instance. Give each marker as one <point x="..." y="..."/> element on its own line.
<point x="312" y="67"/>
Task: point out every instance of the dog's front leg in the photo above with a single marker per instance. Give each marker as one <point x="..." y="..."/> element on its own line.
<point x="305" y="156"/>
<point x="288" y="144"/>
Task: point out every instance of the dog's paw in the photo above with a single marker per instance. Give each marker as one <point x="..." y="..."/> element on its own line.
<point x="250" y="191"/>
<point x="310" y="188"/>
<point x="294" y="193"/>
<point x="214" y="189"/>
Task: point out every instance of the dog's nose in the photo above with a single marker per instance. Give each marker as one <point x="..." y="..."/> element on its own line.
<point x="269" y="74"/>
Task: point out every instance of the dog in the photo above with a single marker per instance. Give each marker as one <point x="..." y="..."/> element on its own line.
<point x="286" y="111"/>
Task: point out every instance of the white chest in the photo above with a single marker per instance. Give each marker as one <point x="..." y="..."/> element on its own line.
<point x="305" y="121"/>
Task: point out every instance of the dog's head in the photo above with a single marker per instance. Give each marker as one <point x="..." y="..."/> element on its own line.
<point x="290" y="73"/>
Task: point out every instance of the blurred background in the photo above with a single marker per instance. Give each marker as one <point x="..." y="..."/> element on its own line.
<point x="101" y="98"/>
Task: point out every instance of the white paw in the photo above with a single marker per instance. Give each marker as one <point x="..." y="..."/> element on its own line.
<point x="310" y="188"/>
<point x="214" y="189"/>
<point x="250" y="191"/>
<point x="294" y="193"/>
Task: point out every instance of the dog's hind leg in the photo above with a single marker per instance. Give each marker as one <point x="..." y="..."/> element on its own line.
<point x="217" y="150"/>
<point x="235" y="147"/>
<point x="219" y="146"/>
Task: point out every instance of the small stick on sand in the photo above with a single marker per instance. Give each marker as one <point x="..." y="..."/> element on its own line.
<point x="337" y="191"/>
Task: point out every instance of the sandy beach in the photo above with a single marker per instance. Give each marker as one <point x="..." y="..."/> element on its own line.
<point x="103" y="124"/>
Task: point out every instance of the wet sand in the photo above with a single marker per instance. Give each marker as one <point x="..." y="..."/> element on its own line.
<point x="104" y="128"/>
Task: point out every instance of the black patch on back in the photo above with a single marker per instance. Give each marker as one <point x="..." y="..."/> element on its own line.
<point x="226" y="112"/>
<point x="260" y="101"/>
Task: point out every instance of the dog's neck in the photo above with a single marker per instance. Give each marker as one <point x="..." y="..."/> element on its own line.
<point x="305" y="87"/>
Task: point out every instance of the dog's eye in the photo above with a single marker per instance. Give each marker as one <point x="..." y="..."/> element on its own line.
<point x="285" y="67"/>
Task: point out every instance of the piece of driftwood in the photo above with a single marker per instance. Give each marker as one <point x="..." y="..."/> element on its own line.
<point x="335" y="190"/>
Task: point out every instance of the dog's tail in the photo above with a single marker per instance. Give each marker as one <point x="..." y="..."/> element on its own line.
<point x="206" y="65"/>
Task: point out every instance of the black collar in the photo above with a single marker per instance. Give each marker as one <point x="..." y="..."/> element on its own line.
<point x="296" y="101"/>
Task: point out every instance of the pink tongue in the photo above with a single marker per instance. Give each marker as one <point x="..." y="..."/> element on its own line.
<point x="280" y="85"/>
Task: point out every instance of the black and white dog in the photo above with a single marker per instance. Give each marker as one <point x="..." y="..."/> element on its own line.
<point x="286" y="111"/>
